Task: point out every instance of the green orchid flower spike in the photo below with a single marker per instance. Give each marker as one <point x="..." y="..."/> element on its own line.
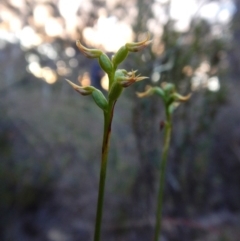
<point x="118" y="80"/>
<point x="168" y="94"/>
<point x="171" y="99"/>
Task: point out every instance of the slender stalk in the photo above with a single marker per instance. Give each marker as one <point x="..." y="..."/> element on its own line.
<point x="105" y="146"/>
<point x="167" y="138"/>
<point x="118" y="80"/>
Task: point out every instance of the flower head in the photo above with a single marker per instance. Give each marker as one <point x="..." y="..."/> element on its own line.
<point x="126" y="79"/>
<point x="168" y="93"/>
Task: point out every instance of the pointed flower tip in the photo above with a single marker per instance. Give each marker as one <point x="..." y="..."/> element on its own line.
<point x="138" y="46"/>
<point x="131" y="78"/>
<point x="133" y="72"/>
<point x="187" y="97"/>
<point x="141" y="78"/>
<point x="90" y="53"/>
<point x="147" y="92"/>
<point x="181" y="98"/>
<point x="141" y="94"/>
<point x="72" y="84"/>
<point x="82" y="90"/>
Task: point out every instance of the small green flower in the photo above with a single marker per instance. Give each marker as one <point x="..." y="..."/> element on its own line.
<point x="120" y="56"/>
<point x="167" y="92"/>
<point x="105" y="63"/>
<point x="126" y="79"/>
<point x="129" y="47"/>
<point x="138" y="46"/>
<point x="97" y="95"/>
<point x="86" y="90"/>
<point x="90" y="53"/>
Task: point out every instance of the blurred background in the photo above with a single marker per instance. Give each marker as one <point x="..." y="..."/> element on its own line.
<point x="50" y="137"/>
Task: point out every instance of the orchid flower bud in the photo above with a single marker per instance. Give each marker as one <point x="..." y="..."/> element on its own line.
<point x="116" y="88"/>
<point x="168" y="87"/>
<point x="152" y="90"/>
<point x="103" y="59"/>
<point x="90" y="53"/>
<point x="97" y="95"/>
<point x="138" y="46"/>
<point x="105" y="63"/>
<point x="159" y="91"/>
<point x="120" y="56"/>
<point x="179" y="98"/>
<point x="86" y="90"/>
<point x="100" y="99"/>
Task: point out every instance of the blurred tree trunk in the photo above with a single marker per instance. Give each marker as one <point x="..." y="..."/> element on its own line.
<point x="227" y="144"/>
<point x="234" y="53"/>
<point x="144" y="121"/>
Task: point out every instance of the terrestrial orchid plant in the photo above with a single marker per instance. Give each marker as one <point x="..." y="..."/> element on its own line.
<point x="171" y="99"/>
<point x="118" y="80"/>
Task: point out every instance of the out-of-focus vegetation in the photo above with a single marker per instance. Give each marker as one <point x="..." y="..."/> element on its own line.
<point x="50" y="140"/>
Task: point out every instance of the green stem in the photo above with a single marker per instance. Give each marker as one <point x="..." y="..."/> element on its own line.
<point x="105" y="146"/>
<point x="167" y="138"/>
